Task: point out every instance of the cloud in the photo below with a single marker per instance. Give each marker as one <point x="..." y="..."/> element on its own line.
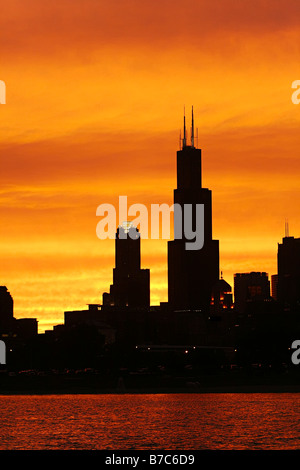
<point x="34" y="27"/>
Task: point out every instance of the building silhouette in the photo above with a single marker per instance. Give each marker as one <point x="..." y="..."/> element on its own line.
<point x="6" y="310"/>
<point x="191" y="273"/>
<point x="197" y="332"/>
<point x="25" y="328"/>
<point x="131" y="284"/>
<point x="250" y="287"/>
<point x="90" y="317"/>
<point x="221" y="298"/>
<point x="21" y="328"/>
<point x="274" y="286"/>
<point x="288" y="263"/>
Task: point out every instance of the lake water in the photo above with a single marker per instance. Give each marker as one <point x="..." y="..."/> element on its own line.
<point x="154" y="421"/>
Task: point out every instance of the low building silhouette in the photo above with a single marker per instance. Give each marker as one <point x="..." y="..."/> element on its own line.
<point x="221" y="298"/>
<point x="90" y="317"/>
<point x="6" y="311"/>
<point x="26" y="328"/>
<point x="250" y="287"/>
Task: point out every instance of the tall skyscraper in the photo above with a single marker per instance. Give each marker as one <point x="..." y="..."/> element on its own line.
<point x="131" y="284"/>
<point x="191" y="273"/>
<point x="274" y="286"/>
<point x="288" y="262"/>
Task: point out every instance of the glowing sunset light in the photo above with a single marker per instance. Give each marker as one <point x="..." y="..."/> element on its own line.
<point x="95" y="95"/>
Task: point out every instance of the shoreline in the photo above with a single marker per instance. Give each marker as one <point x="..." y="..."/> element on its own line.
<point x="98" y="384"/>
<point x="255" y="389"/>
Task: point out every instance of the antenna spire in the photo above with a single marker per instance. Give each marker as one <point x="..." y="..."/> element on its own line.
<point x="286" y="228"/>
<point x="184" y="131"/>
<point x="192" y="133"/>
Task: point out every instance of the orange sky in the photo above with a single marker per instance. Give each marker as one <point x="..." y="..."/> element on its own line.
<point x="95" y="97"/>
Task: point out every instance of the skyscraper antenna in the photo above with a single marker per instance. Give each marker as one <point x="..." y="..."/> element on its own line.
<point x="286" y="228"/>
<point x="184" y="131"/>
<point x="192" y="132"/>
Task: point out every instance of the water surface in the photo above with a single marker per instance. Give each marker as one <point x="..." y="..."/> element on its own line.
<point x="154" y="421"/>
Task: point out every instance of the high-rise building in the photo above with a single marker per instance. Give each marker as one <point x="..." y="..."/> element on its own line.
<point x="249" y="287"/>
<point x="191" y="273"/>
<point x="131" y="284"/>
<point x="288" y="262"/>
<point x="6" y="310"/>
<point x="274" y="286"/>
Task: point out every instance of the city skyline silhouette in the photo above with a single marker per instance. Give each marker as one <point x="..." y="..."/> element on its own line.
<point x="189" y="178"/>
<point x="104" y="117"/>
<point x="97" y="294"/>
<point x="201" y="318"/>
<point x="149" y="229"/>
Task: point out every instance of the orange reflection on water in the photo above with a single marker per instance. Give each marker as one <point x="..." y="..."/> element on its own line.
<point x="141" y="421"/>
